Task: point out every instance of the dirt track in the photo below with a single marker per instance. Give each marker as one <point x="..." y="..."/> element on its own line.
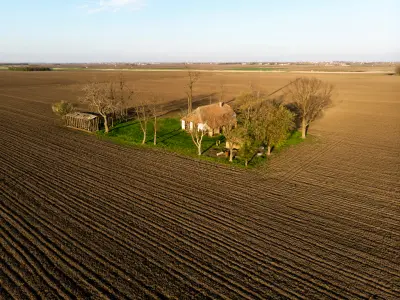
<point x="83" y="217"/>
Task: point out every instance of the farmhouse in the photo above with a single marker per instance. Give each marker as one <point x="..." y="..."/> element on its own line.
<point x="211" y="118"/>
<point x="85" y="121"/>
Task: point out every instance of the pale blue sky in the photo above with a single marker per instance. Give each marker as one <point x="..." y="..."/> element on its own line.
<point x="199" y="30"/>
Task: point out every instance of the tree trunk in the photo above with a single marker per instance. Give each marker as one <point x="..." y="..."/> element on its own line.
<point x="106" y="129"/>
<point x="303" y="128"/>
<point x="231" y="155"/>
<point x="144" y="137"/>
<point x="269" y="150"/>
<point x="155" y="130"/>
<point x="199" y="150"/>
<point x="189" y="104"/>
<point x="246" y="162"/>
<point x="144" y="132"/>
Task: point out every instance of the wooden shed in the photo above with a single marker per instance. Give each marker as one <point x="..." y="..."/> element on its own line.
<point x="85" y="121"/>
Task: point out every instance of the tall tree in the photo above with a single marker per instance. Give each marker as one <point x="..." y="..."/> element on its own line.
<point x="96" y="95"/>
<point x="233" y="137"/>
<point x="197" y="135"/>
<point x="193" y="77"/>
<point x="247" y="108"/>
<point x="221" y="92"/>
<point x="155" y="109"/>
<point x="143" y="115"/>
<point x="248" y="148"/>
<point x="107" y="98"/>
<point x="275" y="123"/>
<point x="310" y="96"/>
<point x="125" y="96"/>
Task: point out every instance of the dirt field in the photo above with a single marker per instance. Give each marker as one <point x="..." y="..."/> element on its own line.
<point x="292" y="67"/>
<point x="83" y="217"/>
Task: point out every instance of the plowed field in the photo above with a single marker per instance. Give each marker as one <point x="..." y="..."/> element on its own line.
<point x="81" y="217"/>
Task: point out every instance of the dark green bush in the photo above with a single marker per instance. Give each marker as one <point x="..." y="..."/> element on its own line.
<point x="29" y="68"/>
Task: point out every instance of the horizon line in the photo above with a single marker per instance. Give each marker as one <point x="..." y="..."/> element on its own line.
<point x="202" y="62"/>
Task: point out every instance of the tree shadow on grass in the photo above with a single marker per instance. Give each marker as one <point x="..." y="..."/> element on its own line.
<point x="124" y="124"/>
<point x="213" y="143"/>
<point x="167" y="136"/>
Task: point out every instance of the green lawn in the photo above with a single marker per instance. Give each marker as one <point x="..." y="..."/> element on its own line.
<point x="169" y="136"/>
<point x="172" y="138"/>
<point x="293" y="139"/>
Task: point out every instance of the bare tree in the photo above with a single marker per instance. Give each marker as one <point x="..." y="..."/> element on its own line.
<point x="155" y="108"/>
<point x="143" y="116"/>
<point x="125" y="96"/>
<point x="221" y="92"/>
<point x="197" y="136"/>
<point x="193" y="77"/>
<point x="310" y="96"/>
<point x="97" y="97"/>
<point x="106" y="99"/>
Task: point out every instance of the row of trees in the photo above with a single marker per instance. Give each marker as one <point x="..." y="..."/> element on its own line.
<point x="112" y="99"/>
<point x="263" y="122"/>
<point x="109" y="99"/>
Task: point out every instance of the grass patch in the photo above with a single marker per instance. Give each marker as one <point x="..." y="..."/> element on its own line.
<point x="293" y="139"/>
<point x="29" y="69"/>
<point x="257" y="69"/>
<point x="171" y="137"/>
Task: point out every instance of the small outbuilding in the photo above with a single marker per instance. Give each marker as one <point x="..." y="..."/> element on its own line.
<point x="211" y="118"/>
<point x="84" y="121"/>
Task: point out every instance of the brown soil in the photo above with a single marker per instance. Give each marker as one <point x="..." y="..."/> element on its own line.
<point x="81" y="217"/>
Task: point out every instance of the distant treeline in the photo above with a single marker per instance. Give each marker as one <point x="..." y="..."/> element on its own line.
<point x="29" y="68"/>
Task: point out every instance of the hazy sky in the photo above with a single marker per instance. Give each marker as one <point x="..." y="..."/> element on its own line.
<point x="198" y="30"/>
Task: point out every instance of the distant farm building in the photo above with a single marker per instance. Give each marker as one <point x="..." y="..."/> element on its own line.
<point x="211" y="118"/>
<point x="84" y="121"/>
